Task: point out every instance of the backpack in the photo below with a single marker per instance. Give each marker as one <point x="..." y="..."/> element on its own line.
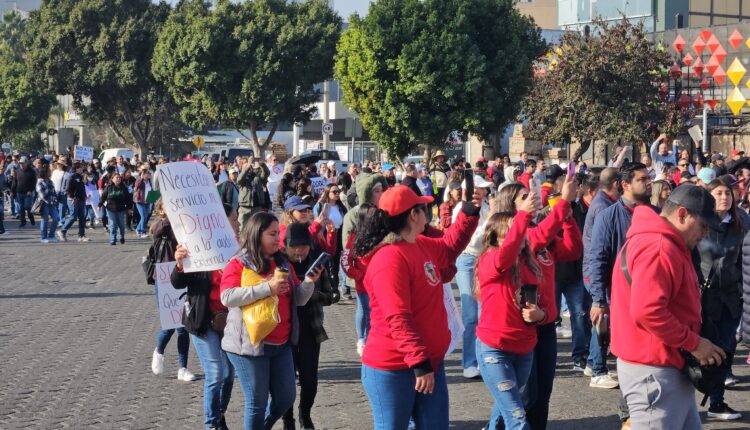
<point x="155" y="255"/>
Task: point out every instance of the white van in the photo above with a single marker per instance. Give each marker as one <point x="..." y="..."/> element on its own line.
<point x="108" y="154"/>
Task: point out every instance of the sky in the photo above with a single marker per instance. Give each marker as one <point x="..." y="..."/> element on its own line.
<point x="343" y="7"/>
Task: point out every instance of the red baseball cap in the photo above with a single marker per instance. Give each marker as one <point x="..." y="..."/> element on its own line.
<point x="736" y="152"/>
<point x="399" y="199"/>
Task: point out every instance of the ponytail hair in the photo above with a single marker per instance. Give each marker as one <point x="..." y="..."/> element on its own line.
<point x="376" y="228"/>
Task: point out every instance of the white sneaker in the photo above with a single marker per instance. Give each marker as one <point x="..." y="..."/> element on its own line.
<point x="185" y="375"/>
<point x="588" y="371"/>
<point x="54" y="240"/>
<point x="603" y="381"/>
<point x="731" y="380"/>
<point x="60" y="235"/>
<point x="45" y="240"/>
<point x="157" y="363"/>
<point x="360" y="347"/>
<point x="471" y="372"/>
<point x="564" y="333"/>
<point x="565" y="314"/>
<point x="84" y="239"/>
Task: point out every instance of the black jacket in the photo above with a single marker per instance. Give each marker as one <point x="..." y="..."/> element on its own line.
<point x="573" y="271"/>
<point x="746" y="289"/>
<point x="311" y="314"/>
<point x="227" y="194"/>
<point x="117" y="198"/>
<point x="199" y="285"/>
<point x="27" y="181"/>
<point x="76" y="188"/>
<point x="722" y="249"/>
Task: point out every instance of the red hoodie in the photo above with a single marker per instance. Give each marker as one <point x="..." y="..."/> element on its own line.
<point x="408" y="322"/>
<point x="353" y="267"/>
<point x="661" y="312"/>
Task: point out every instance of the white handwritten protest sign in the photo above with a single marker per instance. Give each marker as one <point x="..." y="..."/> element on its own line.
<point x="83" y="153"/>
<point x="455" y="324"/>
<point x="168" y="299"/>
<point x="194" y="209"/>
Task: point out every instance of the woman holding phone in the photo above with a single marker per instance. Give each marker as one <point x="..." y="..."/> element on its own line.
<point x="402" y="364"/>
<point x="509" y="277"/>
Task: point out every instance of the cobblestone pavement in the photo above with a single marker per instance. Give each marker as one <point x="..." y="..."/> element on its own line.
<point x="78" y="327"/>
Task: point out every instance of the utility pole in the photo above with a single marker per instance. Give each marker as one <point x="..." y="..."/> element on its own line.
<point x="326" y="97"/>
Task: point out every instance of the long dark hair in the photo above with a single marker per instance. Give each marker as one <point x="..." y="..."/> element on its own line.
<point x="736" y="221"/>
<point x="344" y="181"/>
<point x="251" y="237"/>
<point x="286" y="184"/>
<point x="302" y="185"/>
<point x="376" y="228"/>
<point x="363" y="213"/>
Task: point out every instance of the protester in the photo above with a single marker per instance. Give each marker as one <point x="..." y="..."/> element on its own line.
<point x="402" y="371"/>
<point x="660" y="192"/>
<point x="141" y="188"/>
<point x="721" y="264"/>
<point x="660" y="154"/>
<point x="466" y="275"/>
<point x="267" y="367"/>
<point x="24" y="190"/>
<point x="301" y="253"/>
<point x="446" y="209"/>
<point x="253" y="195"/>
<point x="161" y="232"/>
<point x="4" y="192"/>
<point x="45" y="190"/>
<point x="656" y="310"/>
<point x="205" y="323"/>
<point x="76" y="196"/>
<point x="321" y="228"/>
<point x="115" y="198"/>
<point x="548" y="247"/>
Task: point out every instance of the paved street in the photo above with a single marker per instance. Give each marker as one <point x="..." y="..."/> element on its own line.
<point x="78" y="326"/>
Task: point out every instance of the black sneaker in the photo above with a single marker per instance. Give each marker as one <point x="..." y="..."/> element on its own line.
<point x="122" y="240"/>
<point x="722" y="411"/>
<point x="579" y="366"/>
<point x="222" y="424"/>
<point x="22" y="225"/>
<point x="113" y="243"/>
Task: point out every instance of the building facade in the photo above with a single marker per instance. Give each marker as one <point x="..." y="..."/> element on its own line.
<point x="544" y="12"/>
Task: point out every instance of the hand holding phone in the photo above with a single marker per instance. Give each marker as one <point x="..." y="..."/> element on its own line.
<point x="319" y="262"/>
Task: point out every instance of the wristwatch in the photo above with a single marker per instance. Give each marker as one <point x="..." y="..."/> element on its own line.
<point x="599" y="305"/>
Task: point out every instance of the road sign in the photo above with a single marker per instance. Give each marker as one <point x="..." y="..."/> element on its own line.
<point x="328" y="128"/>
<point x="198" y="142"/>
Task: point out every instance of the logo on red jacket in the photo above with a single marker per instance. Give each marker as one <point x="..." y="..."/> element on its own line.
<point x="543" y="257"/>
<point x="431" y="272"/>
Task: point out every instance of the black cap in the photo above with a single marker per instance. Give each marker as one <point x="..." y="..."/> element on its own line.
<point x="698" y="201"/>
<point x="553" y="172"/>
<point x="297" y="234"/>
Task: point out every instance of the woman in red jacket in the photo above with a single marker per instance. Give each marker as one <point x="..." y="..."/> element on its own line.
<point x="402" y="364"/>
<point x="548" y="247"/>
<point x="509" y="277"/>
<point x="296" y="210"/>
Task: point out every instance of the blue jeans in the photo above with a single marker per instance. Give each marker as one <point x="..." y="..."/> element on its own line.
<point x="144" y="210"/>
<point x="597" y="360"/>
<point x="46" y="228"/>
<point x="62" y="205"/>
<point x="116" y="220"/>
<point x="362" y="316"/>
<point x="393" y="399"/>
<point x="77" y="212"/>
<point x="217" y="388"/>
<point x="469" y="308"/>
<point x="505" y="375"/>
<point x="2" y="214"/>
<point x="269" y="374"/>
<point x="727" y="328"/>
<point x="580" y="323"/>
<point x="13" y="205"/>
<point x="90" y="214"/>
<point x="183" y="343"/>
<point x="24" y="203"/>
<point x="538" y="390"/>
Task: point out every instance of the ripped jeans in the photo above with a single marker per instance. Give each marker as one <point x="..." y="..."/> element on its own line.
<point x="505" y="374"/>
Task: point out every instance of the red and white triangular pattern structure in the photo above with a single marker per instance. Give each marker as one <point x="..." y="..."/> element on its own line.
<point x="712" y="43"/>
<point x="735" y="39"/>
<point x="719" y="75"/>
<point x="699" y="45"/>
<point x="688" y="60"/>
<point x="679" y="44"/>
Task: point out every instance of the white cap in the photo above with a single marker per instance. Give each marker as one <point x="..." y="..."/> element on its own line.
<point x="479" y="182"/>
<point x="331" y="163"/>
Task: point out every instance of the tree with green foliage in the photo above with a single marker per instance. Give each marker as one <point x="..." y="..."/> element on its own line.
<point x="23" y="105"/>
<point x="417" y="70"/>
<point x="603" y="86"/>
<point x="100" y="52"/>
<point x="249" y="65"/>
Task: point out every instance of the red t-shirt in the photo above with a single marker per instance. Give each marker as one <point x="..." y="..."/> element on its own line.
<point x="232" y="278"/>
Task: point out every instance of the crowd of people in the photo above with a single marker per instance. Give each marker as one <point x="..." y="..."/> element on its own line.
<point x="643" y="256"/>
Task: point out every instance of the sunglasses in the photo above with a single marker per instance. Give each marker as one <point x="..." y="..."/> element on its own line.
<point x="682" y="165"/>
<point x="336" y="191"/>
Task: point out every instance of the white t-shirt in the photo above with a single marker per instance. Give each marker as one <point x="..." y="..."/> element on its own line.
<point x="334" y="214"/>
<point x="57" y="179"/>
<point x="475" y="246"/>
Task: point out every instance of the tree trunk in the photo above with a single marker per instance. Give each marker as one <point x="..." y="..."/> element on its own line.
<point x="584" y="146"/>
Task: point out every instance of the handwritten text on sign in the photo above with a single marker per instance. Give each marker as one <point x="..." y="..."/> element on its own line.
<point x="83" y="153"/>
<point x="168" y="299"/>
<point x="192" y="203"/>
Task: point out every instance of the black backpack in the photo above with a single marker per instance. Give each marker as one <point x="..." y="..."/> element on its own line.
<point x="155" y="255"/>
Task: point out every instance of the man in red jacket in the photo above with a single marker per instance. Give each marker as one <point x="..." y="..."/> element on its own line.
<point x="657" y="313"/>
